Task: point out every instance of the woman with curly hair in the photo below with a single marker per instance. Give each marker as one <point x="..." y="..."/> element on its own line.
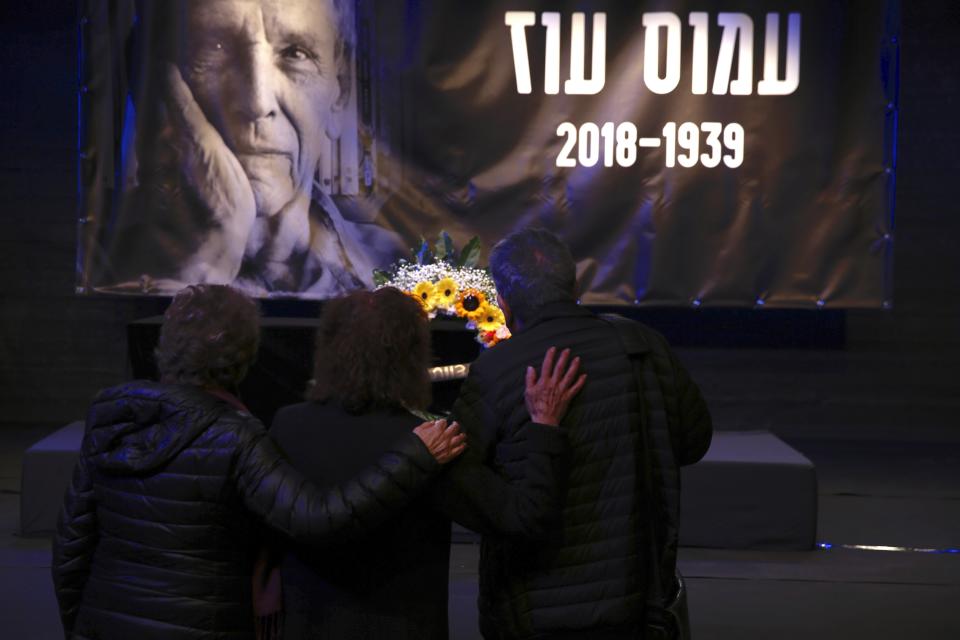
<point x="164" y="517"/>
<point x="370" y="385"/>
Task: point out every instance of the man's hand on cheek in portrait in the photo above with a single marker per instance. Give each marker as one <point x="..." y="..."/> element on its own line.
<point x="218" y="181"/>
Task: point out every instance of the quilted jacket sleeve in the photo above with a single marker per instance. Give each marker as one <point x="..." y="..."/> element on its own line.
<point x="74" y="543"/>
<point x="276" y="492"/>
<point x="481" y="499"/>
<point x="692" y="431"/>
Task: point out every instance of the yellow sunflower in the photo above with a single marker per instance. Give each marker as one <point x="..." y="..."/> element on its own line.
<point x="446" y="292"/>
<point x="488" y="317"/>
<point x="427" y="294"/>
<point x="469" y="301"/>
<point x="420" y="301"/>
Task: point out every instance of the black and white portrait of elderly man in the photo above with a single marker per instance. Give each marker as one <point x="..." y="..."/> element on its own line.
<point x="250" y="94"/>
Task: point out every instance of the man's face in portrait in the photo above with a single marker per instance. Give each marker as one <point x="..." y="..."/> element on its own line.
<point x="265" y="74"/>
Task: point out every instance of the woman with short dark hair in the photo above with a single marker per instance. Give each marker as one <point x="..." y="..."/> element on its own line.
<point x="370" y="384"/>
<point x="162" y="522"/>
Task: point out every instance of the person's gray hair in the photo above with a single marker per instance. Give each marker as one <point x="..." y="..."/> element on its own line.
<point x="531" y="268"/>
<point x="209" y="337"/>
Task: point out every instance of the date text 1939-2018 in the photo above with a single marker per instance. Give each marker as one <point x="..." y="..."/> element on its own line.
<point x="687" y="144"/>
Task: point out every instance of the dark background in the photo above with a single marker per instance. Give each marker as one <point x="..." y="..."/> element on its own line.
<point x="57" y="349"/>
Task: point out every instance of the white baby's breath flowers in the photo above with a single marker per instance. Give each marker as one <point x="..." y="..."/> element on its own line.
<point x="409" y="274"/>
<point x="443" y="287"/>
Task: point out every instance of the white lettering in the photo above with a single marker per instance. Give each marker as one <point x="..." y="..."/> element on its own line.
<point x="578" y="84"/>
<point x="772" y="85"/>
<point x="737" y="27"/>
<point x="551" y="67"/>
<point x="700" y="21"/>
<point x="652" y="23"/>
<point x="617" y="144"/>
<point x="449" y="372"/>
<point x="518" y="21"/>
<point x="736" y="42"/>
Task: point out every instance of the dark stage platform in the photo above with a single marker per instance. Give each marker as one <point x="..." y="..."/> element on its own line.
<point x="45" y="476"/>
<point x="751" y="491"/>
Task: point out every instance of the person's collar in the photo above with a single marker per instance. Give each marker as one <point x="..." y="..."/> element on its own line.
<point x="227" y="397"/>
<point x="560" y="309"/>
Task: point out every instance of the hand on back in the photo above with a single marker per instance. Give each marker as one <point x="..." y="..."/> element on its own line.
<point x="548" y="396"/>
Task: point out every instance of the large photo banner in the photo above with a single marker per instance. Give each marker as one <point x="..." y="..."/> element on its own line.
<point x="730" y="154"/>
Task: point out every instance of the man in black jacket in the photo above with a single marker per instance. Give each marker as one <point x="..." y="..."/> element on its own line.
<point x="589" y="576"/>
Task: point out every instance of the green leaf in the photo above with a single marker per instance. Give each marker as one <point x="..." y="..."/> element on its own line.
<point x="470" y="255"/>
<point x="380" y="277"/>
<point x="444" y="250"/>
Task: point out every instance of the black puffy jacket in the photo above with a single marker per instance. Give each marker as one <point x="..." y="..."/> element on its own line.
<point x="160" y="526"/>
<point x="588" y="572"/>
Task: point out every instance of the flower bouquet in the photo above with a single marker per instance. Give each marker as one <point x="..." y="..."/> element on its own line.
<point x="445" y="281"/>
